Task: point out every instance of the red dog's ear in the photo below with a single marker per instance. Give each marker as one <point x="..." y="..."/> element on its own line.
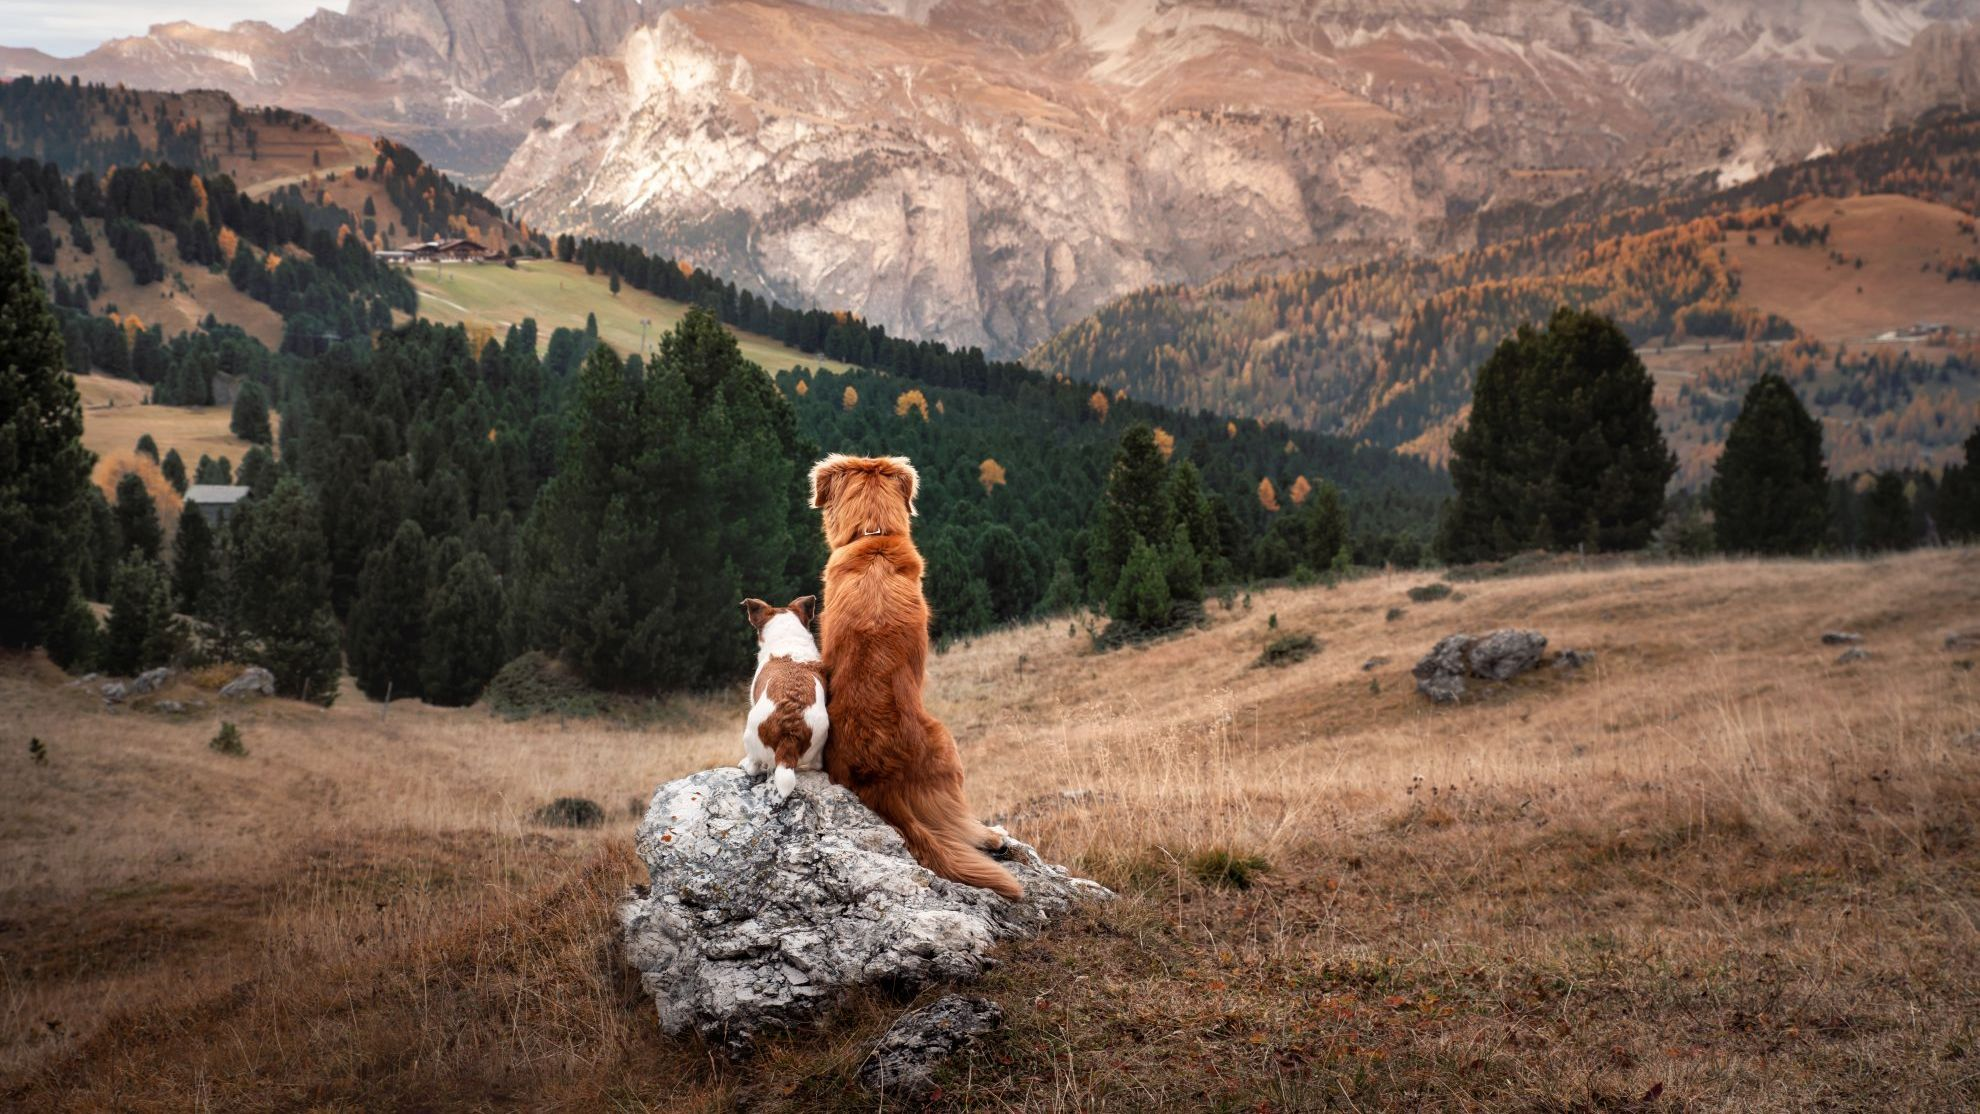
<point x="758" y="612"/>
<point x="825" y="479"/>
<point x="908" y="479"/>
<point x="804" y="607"/>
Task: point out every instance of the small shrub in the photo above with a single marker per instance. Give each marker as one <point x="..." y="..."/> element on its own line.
<point x="228" y="742"/>
<point x="1424" y="593"/>
<point x="1229" y="869"/>
<point x="1394" y="614"/>
<point x="1288" y="649"/>
<point x="1272" y="621"/>
<point x="570" y="812"/>
<point x="536" y="685"/>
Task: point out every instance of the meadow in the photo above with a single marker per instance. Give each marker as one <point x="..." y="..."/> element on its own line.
<point x="1714" y="868"/>
<point x="560" y="296"/>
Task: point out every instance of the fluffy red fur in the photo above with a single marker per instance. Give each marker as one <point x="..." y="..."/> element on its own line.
<point x="885" y="746"/>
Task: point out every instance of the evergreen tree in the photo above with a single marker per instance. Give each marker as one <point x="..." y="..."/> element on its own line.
<point x="1770" y="488"/>
<point x="1062" y="592"/>
<point x="1192" y="511"/>
<point x="1326" y="522"/>
<point x="389" y="615"/>
<point x="192" y="555"/>
<point x="103" y="545"/>
<point x="250" y="421"/>
<point x="174" y="468"/>
<point x="258" y="472"/>
<point x="1959" y="494"/>
<point x="1887" y="515"/>
<point x="137" y="517"/>
<point x="281" y="587"/>
<point x="463" y="638"/>
<point x="680" y="492"/>
<point x="141" y="632"/>
<point x="44" y="469"/>
<point x="1136" y="507"/>
<point x="1182" y="569"/>
<point x="1141" y="592"/>
<point x="1562" y="447"/>
<point x="148" y="447"/>
<point x="211" y="471"/>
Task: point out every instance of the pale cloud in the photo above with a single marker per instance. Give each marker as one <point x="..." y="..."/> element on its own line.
<point x="70" y="27"/>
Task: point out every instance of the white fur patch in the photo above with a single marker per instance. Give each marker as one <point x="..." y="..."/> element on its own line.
<point x="757" y="758"/>
<point x="820" y="724"/>
<point x="785" y="781"/>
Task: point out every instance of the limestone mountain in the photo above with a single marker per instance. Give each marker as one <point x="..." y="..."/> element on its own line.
<point x="988" y="173"/>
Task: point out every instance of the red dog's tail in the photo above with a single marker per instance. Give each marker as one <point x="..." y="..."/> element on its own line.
<point x="939" y="836"/>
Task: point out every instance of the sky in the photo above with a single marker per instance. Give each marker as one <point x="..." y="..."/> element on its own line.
<point x="70" y="27"/>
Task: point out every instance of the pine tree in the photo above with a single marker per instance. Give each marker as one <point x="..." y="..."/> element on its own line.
<point x="174" y="469"/>
<point x="137" y="517"/>
<point x="250" y="421"/>
<point x="103" y="545"/>
<point x="1192" y="511"/>
<point x="1141" y="593"/>
<point x="148" y="447"/>
<point x="1326" y="523"/>
<point x="1887" y="515"/>
<point x="44" y="469"/>
<point x="192" y="556"/>
<point x="1562" y="447"/>
<point x="141" y="632"/>
<point x="1770" y="488"/>
<point x="1959" y="494"/>
<point x="281" y="587"/>
<point x="258" y="472"/>
<point x="463" y="637"/>
<point x="389" y="615"/>
<point x="1136" y="507"/>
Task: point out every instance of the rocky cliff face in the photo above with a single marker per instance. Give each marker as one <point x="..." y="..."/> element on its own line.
<point x="990" y="173"/>
<point x="459" y="79"/>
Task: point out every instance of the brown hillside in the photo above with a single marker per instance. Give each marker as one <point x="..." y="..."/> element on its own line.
<point x="1715" y="869"/>
<point x="177" y="303"/>
<point x="1899" y="239"/>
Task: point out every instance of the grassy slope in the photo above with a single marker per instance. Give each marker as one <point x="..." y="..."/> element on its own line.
<point x="560" y="295"/>
<point x="1717" y="867"/>
<point x="177" y="303"/>
<point x="114" y="418"/>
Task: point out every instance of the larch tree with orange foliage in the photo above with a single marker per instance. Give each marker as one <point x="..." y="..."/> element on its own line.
<point x="850" y="398"/>
<point x="911" y="400"/>
<point x="1268" y="495"/>
<point x="990" y="474"/>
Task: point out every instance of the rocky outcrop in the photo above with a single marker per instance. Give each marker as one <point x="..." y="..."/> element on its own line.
<point x="253" y="681"/>
<point x="759" y="914"/>
<point x="904" y="1059"/>
<point x="1498" y="656"/>
<point x="144" y="684"/>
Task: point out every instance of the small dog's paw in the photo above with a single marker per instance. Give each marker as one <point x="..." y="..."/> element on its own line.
<point x="750" y="765"/>
<point x="785" y="781"/>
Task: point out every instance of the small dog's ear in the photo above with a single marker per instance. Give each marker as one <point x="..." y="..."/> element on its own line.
<point x="804" y="607"/>
<point x="758" y="612"/>
<point x="825" y="479"/>
<point x="908" y="479"/>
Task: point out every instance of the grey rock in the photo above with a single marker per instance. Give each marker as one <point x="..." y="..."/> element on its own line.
<point x="114" y="692"/>
<point x="1497" y="656"/>
<point x="1574" y="659"/>
<point x="91" y="678"/>
<point x="1852" y="655"/>
<point x="1840" y="637"/>
<point x="904" y="1059"/>
<point x="1505" y="654"/>
<point x="1963" y="640"/>
<point x="170" y="707"/>
<point x="760" y="913"/>
<point x="1374" y="663"/>
<point x="253" y="681"/>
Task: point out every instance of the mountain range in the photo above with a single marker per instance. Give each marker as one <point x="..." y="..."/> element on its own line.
<point x="990" y="173"/>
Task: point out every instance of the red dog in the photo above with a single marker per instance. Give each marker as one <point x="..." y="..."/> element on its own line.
<point x="885" y="746"/>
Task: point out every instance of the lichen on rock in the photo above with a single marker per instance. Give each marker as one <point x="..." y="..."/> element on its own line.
<point x="759" y="913"/>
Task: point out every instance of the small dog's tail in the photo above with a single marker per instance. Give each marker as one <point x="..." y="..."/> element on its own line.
<point x="945" y="846"/>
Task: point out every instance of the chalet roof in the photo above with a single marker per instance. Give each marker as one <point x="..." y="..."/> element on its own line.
<point x="216" y="493"/>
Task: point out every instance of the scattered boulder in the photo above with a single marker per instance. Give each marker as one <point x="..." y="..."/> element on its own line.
<point x="904" y="1059"/>
<point x="253" y="681"/>
<point x="760" y="913"/>
<point x="1852" y="655"/>
<point x="114" y="692"/>
<point x="1963" y="640"/>
<point x="1374" y="663"/>
<point x="1498" y="656"/>
<point x="149" y="681"/>
<point x="1840" y="637"/>
<point x="1573" y="659"/>
<point x="170" y="707"/>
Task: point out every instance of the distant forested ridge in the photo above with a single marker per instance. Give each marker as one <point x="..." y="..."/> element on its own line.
<point x="1385" y="350"/>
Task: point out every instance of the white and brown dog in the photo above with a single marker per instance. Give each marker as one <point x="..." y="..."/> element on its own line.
<point x="787" y="722"/>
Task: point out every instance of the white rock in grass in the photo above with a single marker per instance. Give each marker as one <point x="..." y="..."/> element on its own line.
<point x="759" y="913"/>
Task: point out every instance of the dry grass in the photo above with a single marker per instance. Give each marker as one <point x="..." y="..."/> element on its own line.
<point x="1716" y="869"/>
<point x="115" y="416"/>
